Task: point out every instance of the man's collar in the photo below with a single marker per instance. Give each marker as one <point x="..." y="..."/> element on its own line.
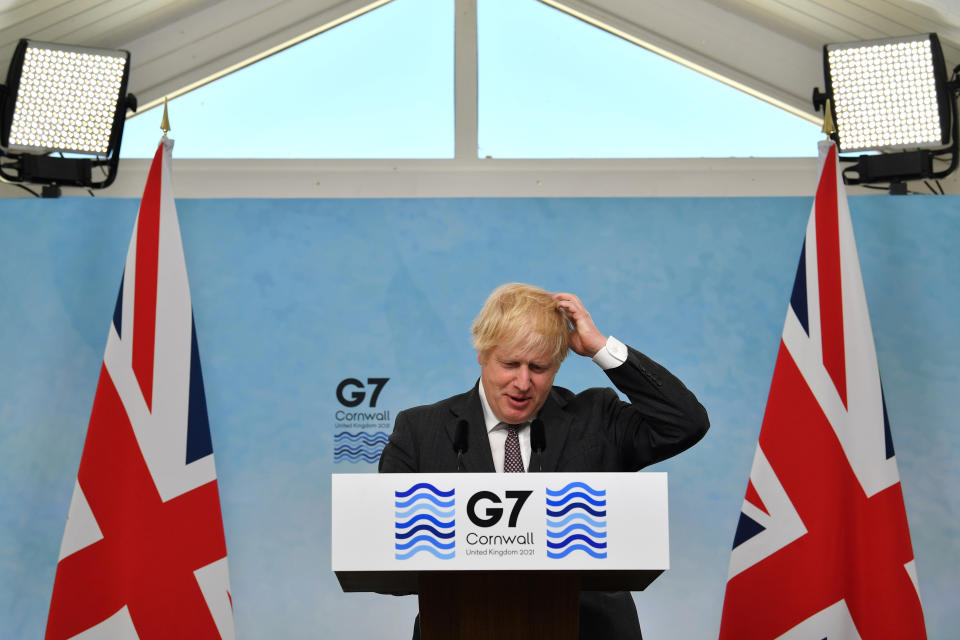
<point x="489" y="419"/>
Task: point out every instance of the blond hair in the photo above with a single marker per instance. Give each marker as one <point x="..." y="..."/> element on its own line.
<point x="524" y="316"/>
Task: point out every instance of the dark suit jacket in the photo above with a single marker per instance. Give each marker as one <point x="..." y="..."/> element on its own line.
<point x="589" y="431"/>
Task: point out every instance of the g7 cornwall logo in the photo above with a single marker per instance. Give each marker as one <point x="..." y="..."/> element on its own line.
<point x="424" y="522"/>
<point x="576" y="521"/>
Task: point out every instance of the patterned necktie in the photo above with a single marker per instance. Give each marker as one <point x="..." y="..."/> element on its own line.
<point x="512" y="460"/>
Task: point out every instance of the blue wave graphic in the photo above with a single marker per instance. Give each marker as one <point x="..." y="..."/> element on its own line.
<point x="360" y="444"/>
<point x="402" y="546"/>
<point x="599" y="493"/>
<point x="576" y="536"/>
<point x="423" y="485"/>
<point x="361" y="434"/>
<point x="577" y="526"/>
<point x="576" y="495"/>
<point x="403" y="504"/>
<point x="357" y="457"/>
<point x="379" y="436"/>
<point x="570" y="528"/>
<point x="597" y="524"/>
<point x="424" y="516"/>
<point x="357" y="450"/>
<point x="427" y="525"/>
<point x="427" y="548"/>
<point x="576" y="547"/>
<point x="423" y="507"/>
<point x="577" y="505"/>
<point x="347" y="450"/>
<point x="350" y="446"/>
<point x="423" y="527"/>
<point x="358" y="447"/>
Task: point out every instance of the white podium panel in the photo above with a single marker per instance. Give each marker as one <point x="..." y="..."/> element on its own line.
<point x="598" y="523"/>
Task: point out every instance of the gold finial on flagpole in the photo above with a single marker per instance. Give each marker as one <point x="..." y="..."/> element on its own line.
<point x="165" y="122"/>
<point x="829" y="127"/>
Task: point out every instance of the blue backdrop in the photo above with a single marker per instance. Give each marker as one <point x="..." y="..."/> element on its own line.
<point x="293" y="296"/>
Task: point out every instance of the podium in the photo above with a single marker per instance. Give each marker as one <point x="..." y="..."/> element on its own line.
<point x="499" y="555"/>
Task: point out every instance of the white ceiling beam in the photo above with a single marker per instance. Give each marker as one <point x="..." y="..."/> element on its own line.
<point x="654" y="177"/>
<point x="817" y="23"/>
<point x="93" y="23"/>
<point x="465" y="81"/>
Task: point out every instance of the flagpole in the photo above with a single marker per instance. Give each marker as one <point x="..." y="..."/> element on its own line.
<point x="165" y="120"/>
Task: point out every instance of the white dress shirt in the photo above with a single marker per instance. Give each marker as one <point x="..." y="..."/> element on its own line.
<point x="613" y="354"/>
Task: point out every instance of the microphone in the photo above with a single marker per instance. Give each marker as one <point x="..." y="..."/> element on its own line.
<point x="460" y="443"/>
<point x="538" y="441"/>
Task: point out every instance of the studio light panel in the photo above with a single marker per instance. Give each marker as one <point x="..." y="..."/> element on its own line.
<point x="885" y="93"/>
<point x="67" y="99"/>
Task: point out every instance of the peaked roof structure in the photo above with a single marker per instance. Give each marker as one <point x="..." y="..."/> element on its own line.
<point x="768" y="48"/>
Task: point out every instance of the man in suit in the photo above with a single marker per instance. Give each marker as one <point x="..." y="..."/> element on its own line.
<point x="522" y="335"/>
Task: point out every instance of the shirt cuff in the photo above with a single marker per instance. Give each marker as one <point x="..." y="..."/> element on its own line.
<point x="613" y="354"/>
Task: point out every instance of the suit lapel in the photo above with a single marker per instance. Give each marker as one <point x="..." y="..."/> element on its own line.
<point x="556" y="427"/>
<point x="478" y="457"/>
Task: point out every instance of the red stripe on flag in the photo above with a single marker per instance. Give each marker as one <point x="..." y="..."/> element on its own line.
<point x="828" y="276"/>
<point x="150" y="548"/>
<point x="754" y="498"/>
<point x="145" y="289"/>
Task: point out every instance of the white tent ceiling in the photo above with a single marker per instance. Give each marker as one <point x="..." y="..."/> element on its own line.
<point x="770" y="48"/>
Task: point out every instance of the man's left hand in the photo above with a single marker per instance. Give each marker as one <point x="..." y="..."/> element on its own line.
<point x="585" y="339"/>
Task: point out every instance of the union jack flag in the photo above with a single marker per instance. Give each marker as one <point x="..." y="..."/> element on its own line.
<point x="143" y="553"/>
<point x="822" y="549"/>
